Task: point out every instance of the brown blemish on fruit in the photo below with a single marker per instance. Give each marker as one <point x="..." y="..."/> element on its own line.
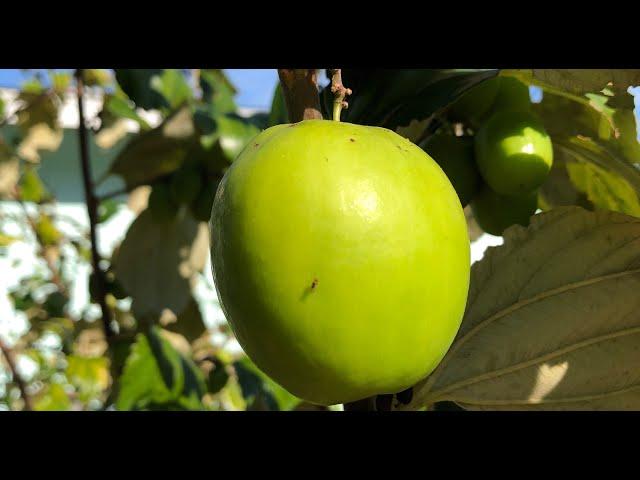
<point x="310" y="289"/>
<point x="352" y="139"/>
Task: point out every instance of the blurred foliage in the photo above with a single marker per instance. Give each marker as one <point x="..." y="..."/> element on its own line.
<point x="181" y="132"/>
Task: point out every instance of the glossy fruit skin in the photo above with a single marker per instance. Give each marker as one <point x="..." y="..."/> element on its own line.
<point x="513" y="152"/>
<point x="475" y="104"/>
<point x="456" y="157"/>
<point x="341" y="258"/>
<point x="495" y="213"/>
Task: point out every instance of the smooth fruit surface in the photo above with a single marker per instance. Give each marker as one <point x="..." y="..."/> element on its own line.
<point x="456" y="157"/>
<point x="513" y="152"/>
<point x="341" y="258"/>
<point x="495" y="213"/>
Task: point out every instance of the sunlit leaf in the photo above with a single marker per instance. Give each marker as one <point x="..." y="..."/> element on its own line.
<point x="552" y="320"/>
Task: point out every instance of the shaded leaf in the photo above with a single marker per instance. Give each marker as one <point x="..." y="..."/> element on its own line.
<point x="188" y="323"/>
<point x="552" y="320"/>
<point x="278" y="113"/>
<point x="156" y="262"/>
<point x="607" y="180"/>
<point x="393" y="98"/>
<point x="156" y="152"/>
<point x="217" y="90"/>
<point x="136" y="83"/>
<point x="259" y="391"/>
<point x="156" y="375"/>
<point x="172" y="85"/>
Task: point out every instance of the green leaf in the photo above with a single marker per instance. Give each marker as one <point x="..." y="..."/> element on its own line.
<point x="607" y="180"/>
<point x="90" y="376"/>
<point x="218" y="377"/>
<point x="60" y="82"/>
<point x="217" y="90"/>
<point x="157" y="152"/>
<point x="31" y="187"/>
<point x="393" y="98"/>
<point x="96" y="77"/>
<point x="120" y="107"/>
<point x="38" y="108"/>
<point x="156" y="375"/>
<point x="278" y="113"/>
<point x="234" y="133"/>
<point x="552" y="320"/>
<point x="172" y="85"/>
<point x="137" y="84"/>
<point x="48" y="234"/>
<point x="259" y="391"/>
<point x="53" y="399"/>
<point x="157" y="262"/>
<point x="107" y="209"/>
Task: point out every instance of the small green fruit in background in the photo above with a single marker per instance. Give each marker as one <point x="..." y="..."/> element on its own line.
<point x="513" y="152"/>
<point x="476" y="103"/>
<point x="512" y="95"/>
<point x="495" y="213"/>
<point x="185" y="185"/>
<point x="456" y="157"/>
<point x="161" y="206"/>
<point x="341" y="257"/>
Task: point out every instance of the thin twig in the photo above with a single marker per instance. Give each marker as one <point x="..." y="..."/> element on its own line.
<point x="16" y="376"/>
<point x="92" y="210"/>
<point x="340" y="92"/>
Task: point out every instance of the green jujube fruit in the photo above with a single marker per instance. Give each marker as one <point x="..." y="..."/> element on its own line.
<point x="495" y="213"/>
<point x="341" y="258"/>
<point x="514" y="152"/>
<point x="456" y="157"/>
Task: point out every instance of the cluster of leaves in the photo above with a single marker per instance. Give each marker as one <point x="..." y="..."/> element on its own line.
<point x="551" y="318"/>
<point x="161" y="356"/>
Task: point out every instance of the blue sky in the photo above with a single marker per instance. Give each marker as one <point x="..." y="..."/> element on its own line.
<point x="255" y="86"/>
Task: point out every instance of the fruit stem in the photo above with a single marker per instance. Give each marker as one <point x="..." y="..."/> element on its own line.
<point x="339" y="93"/>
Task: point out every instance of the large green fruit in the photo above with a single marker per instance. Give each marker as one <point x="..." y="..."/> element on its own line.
<point x="476" y="103"/>
<point x="456" y="157"/>
<point x="341" y="258"/>
<point x="494" y="212"/>
<point x="513" y="152"/>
